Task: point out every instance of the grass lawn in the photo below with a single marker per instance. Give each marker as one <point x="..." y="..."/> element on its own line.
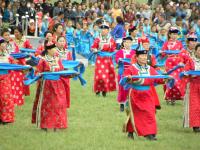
<point x="95" y="123"/>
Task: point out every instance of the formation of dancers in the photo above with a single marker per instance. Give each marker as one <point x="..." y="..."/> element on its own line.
<point x="128" y="58"/>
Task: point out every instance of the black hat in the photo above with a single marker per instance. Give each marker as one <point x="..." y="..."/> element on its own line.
<point x="99" y="21"/>
<point x="163" y="15"/>
<point x="192" y="37"/>
<point x="132" y="29"/>
<point x="104" y="26"/>
<point x="50" y="46"/>
<point x="173" y="30"/>
<point x="138" y="52"/>
<point x="2" y="41"/>
<point x="127" y="38"/>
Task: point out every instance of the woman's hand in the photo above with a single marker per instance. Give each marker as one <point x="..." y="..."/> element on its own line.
<point x="129" y="80"/>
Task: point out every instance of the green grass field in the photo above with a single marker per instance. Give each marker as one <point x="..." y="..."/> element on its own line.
<point x="95" y="123"/>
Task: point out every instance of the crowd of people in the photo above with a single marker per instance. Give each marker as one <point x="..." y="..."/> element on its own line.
<point x="150" y="45"/>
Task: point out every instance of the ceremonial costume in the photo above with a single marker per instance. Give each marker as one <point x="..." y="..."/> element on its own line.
<point x="192" y="97"/>
<point x="104" y="78"/>
<point x="18" y="77"/>
<point x="142" y="106"/>
<point x="151" y="61"/>
<point x="121" y="54"/>
<point x="6" y="100"/>
<point x="49" y="110"/>
<point x="178" y="91"/>
<point x="66" y="55"/>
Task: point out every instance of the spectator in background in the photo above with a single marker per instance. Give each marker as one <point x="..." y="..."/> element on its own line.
<point x="116" y="11"/>
<point x="47" y="6"/>
<point x="187" y="10"/>
<point x="69" y="13"/>
<point x="79" y="13"/>
<point x="197" y="29"/>
<point x="118" y="32"/>
<point x="146" y="13"/>
<point x="56" y="19"/>
<point x="8" y="14"/>
<point x="129" y="16"/>
<point x="15" y="7"/>
<point x="2" y="8"/>
<point x="101" y="11"/>
<point x="146" y="26"/>
<point x="163" y="23"/>
<point x="180" y="11"/>
<point x="45" y="24"/>
<point x="22" y="9"/>
<point x="32" y="28"/>
<point x="58" y="8"/>
<point x="32" y="11"/>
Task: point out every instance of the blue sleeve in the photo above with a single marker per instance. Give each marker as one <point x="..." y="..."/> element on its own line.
<point x="113" y="32"/>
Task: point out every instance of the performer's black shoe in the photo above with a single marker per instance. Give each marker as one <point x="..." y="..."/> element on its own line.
<point x="6" y="123"/>
<point x="151" y="137"/>
<point x="173" y="102"/>
<point x="97" y="93"/>
<point x="104" y="94"/>
<point x="196" y="129"/>
<point x="44" y="129"/>
<point x="121" y="107"/>
<point x="158" y="107"/>
<point x="130" y="135"/>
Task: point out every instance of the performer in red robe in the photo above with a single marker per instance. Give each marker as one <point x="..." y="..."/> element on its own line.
<point x="18" y="76"/>
<point x="49" y="110"/>
<point x="151" y="60"/>
<point x="141" y="118"/>
<point x="178" y="91"/>
<point x="126" y="52"/>
<point x="191" y="44"/>
<point x="104" y="78"/>
<point x="64" y="54"/>
<point x="57" y="31"/>
<point x="6" y="101"/>
<point x="192" y="96"/>
<point x="48" y="37"/>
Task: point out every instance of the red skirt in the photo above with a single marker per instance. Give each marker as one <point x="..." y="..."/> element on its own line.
<point x="104" y="77"/>
<point x="6" y="101"/>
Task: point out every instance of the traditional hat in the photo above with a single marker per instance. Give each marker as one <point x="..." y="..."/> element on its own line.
<point x="50" y="46"/>
<point x="143" y="40"/>
<point x="138" y="52"/>
<point x="173" y="30"/>
<point x="104" y="26"/>
<point x="192" y="37"/>
<point x="132" y="29"/>
<point x="127" y="38"/>
<point x="2" y="41"/>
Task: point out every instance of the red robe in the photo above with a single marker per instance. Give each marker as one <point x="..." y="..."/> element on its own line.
<point x="7" y="113"/>
<point x="151" y="60"/>
<point x="18" y="76"/>
<point x="122" y="93"/>
<point x="51" y="96"/>
<point x="39" y="50"/>
<point x="178" y="91"/>
<point x="192" y="97"/>
<point x="142" y="118"/>
<point x="104" y="77"/>
<point x="66" y="56"/>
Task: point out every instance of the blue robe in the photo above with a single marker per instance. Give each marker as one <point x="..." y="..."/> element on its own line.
<point x="70" y="36"/>
<point x="77" y="42"/>
<point x="85" y="43"/>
